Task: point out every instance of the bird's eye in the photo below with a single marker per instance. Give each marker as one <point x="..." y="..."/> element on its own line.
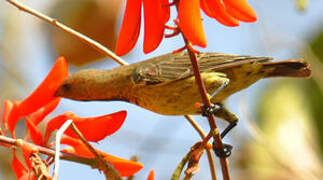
<point x="137" y="77"/>
<point x="66" y="87"/>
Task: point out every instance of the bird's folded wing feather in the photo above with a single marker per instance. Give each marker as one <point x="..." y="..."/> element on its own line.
<point x="173" y="67"/>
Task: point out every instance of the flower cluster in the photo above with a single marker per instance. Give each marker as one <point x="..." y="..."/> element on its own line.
<point x="36" y="107"/>
<point x="157" y="13"/>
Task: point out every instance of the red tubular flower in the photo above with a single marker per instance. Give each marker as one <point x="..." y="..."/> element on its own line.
<point x="216" y="10"/>
<point x="154" y="24"/>
<point x="46" y="90"/>
<point x="39" y="104"/>
<point x="190" y="22"/>
<point x="130" y="27"/>
<point x="240" y="10"/>
<point x="34" y="132"/>
<point x="156" y="14"/>
<point x="124" y="167"/>
<point x="228" y="12"/>
<point x="93" y="128"/>
<point x="151" y="175"/>
<point x="41" y="113"/>
<point x="39" y="98"/>
<point x="18" y="168"/>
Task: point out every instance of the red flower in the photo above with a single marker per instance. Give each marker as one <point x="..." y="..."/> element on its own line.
<point x="39" y="104"/>
<point x="39" y="98"/>
<point x="227" y="12"/>
<point x="151" y="175"/>
<point x="92" y="128"/>
<point x="124" y="167"/>
<point x="156" y="15"/>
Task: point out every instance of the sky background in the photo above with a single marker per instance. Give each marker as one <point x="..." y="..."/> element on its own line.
<point x="161" y="141"/>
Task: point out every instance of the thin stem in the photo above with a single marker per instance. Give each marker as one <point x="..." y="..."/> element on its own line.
<point x="108" y="169"/>
<point x="206" y="101"/>
<point x="210" y="156"/>
<point x="50" y="152"/>
<point x="99" y="47"/>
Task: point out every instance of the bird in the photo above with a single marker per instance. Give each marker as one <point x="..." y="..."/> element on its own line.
<point x="166" y="84"/>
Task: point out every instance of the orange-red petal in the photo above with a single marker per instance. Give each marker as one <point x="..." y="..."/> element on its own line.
<point x="165" y="10"/>
<point x="41" y="113"/>
<point x="205" y="8"/>
<point x="130" y="27"/>
<point x="124" y="167"/>
<point x="93" y="128"/>
<point x="151" y="175"/>
<point x="28" y="176"/>
<point x="97" y="128"/>
<point x="34" y="132"/>
<point x="27" y="150"/>
<point x="241" y="10"/>
<point x="13" y="118"/>
<point x="17" y="167"/>
<point x="190" y="22"/>
<point x="220" y="14"/>
<point x="154" y="16"/>
<point x="55" y="123"/>
<point x="46" y="90"/>
<point x="8" y="105"/>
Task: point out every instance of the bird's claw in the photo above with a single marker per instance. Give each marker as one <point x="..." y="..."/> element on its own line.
<point x="223" y="152"/>
<point x="210" y="110"/>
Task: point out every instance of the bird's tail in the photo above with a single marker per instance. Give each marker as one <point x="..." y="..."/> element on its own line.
<point x="287" y="68"/>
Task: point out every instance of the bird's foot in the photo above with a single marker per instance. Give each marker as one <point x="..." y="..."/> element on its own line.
<point x="210" y="110"/>
<point x="223" y="152"/>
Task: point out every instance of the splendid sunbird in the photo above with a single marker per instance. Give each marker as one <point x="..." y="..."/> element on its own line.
<point x="166" y="84"/>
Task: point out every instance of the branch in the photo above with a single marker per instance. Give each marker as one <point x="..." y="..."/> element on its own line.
<point x="108" y="169"/>
<point x="208" y="151"/>
<point x="206" y="101"/>
<point x="50" y="152"/>
<point x="97" y="46"/>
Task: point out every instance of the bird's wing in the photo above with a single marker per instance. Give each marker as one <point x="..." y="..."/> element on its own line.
<point x="173" y="67"/>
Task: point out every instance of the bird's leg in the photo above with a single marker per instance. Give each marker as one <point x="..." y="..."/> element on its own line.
<point x="219" y="110"/>
<point x="213" y="79"/>
<point x="223" y="85"/>
<point x="225" y="114"/>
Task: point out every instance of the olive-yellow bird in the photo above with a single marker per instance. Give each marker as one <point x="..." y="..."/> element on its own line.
<point x="166" y="84"/>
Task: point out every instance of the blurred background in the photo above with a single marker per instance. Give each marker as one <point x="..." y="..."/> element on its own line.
<point x="280" y="133"/>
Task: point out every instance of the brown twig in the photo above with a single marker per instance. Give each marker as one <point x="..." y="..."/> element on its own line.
<point x="39" y="167"/>
<point x="99" y="47"/>
<point x="108" y="169"/>
<point x="50" y="152"/>
<point x="206" y="101"/>
<point x="210" y="156"/>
